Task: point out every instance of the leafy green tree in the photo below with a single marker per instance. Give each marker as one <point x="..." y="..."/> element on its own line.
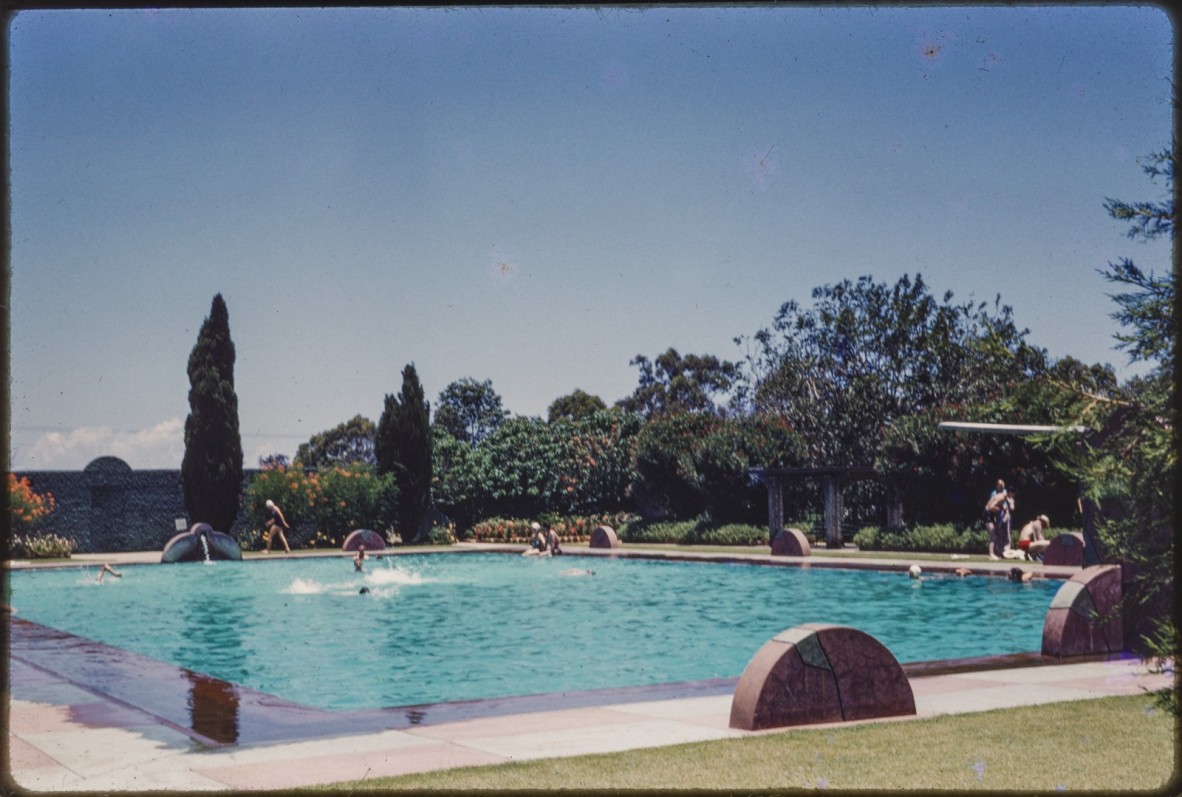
<point x="694" y="464"/>
<point x="211" y="470"/>
<point x="272" y="461"/>
<point x="469" y="410"/>
<point x="402" y="447"/>
<point x="867" y="354"/>
<point x="941" y="476"/>
<point x="1128" y="464"/>
<point x="345" y="444"/>
<point x="673" y="383"/>
<point x="459" y="484"/>
<point x="596" y="462"/>
<point x="524" y="464"/>
<point x="574" y="406"/>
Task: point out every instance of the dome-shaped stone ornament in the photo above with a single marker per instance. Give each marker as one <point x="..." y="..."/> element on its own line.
<point x="1066" y="550"/>
<point x="199" y="544"/>
<point x="367" y="537"/>
<point x="1083" y="617"/>
<point x="816" y="673"/>
<point x="791" y="542"/>
<point x="604" y="537"/>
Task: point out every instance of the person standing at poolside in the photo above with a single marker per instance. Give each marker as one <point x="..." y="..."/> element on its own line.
<point x="989" y="521"/>
<point x="276" y="524"/>
<point x="1000" y="511"/>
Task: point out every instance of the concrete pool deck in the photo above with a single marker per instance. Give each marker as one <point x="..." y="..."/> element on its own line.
<point x="65" y="735"/>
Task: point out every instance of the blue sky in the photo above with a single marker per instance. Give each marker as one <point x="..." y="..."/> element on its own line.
<point x="535" y="196"/>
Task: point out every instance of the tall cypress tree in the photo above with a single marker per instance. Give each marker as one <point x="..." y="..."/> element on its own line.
<point x="402" y="446"/>
<point x="211" y="472"/>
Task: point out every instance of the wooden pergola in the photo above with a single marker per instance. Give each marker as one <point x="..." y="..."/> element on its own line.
<point x="833" y="479"/>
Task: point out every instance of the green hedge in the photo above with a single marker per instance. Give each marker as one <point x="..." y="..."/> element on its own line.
<point x="692" y="532"/>
<point x="931" y="539"/>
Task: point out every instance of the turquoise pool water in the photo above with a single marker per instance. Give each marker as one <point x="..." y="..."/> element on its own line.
<point x="443" y="627"/>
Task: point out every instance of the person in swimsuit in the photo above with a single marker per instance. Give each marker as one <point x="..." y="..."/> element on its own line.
<point x="276" y="524"/>
<point x="1031" y="540"/>
<point x="359" y="557"/>
<point x="1000" y="510"/>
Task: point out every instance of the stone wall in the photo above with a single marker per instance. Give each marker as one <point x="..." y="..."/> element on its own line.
<point x="108" y="507"/>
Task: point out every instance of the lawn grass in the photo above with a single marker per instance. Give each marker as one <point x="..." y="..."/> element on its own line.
<point x="1107" y="745"/>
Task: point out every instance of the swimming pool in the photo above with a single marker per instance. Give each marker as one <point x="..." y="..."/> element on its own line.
<point x="448" y="627"/>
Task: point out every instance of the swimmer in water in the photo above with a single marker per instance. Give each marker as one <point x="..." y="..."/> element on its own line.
<point x="363" y="591"/>
<point x="1017" y="574"/>
<point x="577" y="572"/>
<point x="359" y="558"/>
<point x="108" y="569"/>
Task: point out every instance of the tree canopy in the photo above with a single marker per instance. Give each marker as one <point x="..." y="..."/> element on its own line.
<point x="573" y="406"/>
<point x="351" y="442"/>
<point x="868" y="353"/>
<point x="469" y="410"/>
<point x="672" y="383"/>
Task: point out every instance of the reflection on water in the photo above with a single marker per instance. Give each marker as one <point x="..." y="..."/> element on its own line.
<point x="214" y="619"/>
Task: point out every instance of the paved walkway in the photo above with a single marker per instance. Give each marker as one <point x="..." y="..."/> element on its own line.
<point x="65" y="736"/>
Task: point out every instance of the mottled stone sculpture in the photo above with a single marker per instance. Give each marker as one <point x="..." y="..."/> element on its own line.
<point x="1066" y="550"/>
<point x="1084" y="617"/>
<point x="791" y="542"/>
<point x="816" y="673"/>
<point x="604" y="537"/>
<point x="370" y="539"/>
<point x="200" y="543"/>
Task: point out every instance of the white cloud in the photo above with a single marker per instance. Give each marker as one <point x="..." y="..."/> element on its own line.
<point x="159" y="447"/>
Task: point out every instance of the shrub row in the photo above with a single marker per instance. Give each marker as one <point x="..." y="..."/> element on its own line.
<point x="571" y="529"/>
<point x="931" y="539"/>
<point x="692" y="532"/>
<point x="41" y="546"/>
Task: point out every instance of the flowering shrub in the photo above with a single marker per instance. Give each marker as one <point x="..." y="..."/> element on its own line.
<point x="41" y="546"/>
<point x="322" y="507"/>
<point x="572" y="529"/>
<point x="443" y="535"/>
<point x="26" y="507"/>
